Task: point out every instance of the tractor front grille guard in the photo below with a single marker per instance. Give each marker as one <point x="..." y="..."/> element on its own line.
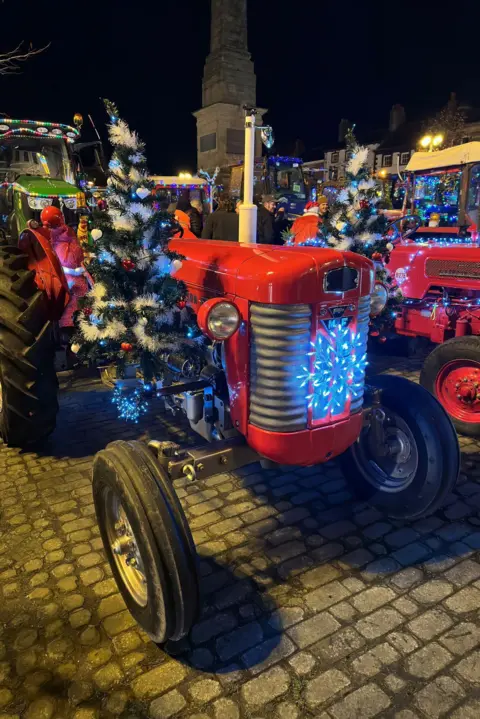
<point x="294" y="380"/>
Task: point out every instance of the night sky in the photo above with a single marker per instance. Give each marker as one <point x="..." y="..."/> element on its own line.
<point x="315" y="63"/>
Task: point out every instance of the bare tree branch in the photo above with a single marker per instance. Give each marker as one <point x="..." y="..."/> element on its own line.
<point x="10" y="61"/>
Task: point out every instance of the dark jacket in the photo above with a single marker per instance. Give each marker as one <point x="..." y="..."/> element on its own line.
<point x="195" y="221"/>
<point x="221" y="225"/>
<point x="265" y="226"/>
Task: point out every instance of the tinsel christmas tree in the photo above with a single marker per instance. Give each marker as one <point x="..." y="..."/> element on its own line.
<point x="135" y="313"/>
<point x="355" y="223"/>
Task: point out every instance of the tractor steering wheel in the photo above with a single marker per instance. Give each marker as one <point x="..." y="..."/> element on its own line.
<point x="413" y="220"/>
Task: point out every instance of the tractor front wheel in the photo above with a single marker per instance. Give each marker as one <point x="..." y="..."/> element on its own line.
<point x="452" y="373"/>
<point x="28" y="382"/>
<point x="146" y="539"/>
<point x="408" y="467"/>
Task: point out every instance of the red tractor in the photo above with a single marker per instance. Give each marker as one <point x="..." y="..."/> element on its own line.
<point x="284" y="381"/>
<point x="436" y="264"/>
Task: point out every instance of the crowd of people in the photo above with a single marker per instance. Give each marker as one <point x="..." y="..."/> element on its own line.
<point x="223" y="222"/>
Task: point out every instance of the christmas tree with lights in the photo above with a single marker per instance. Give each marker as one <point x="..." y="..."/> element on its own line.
<point x="355" y="223"/>
<point x="135" y="314"/>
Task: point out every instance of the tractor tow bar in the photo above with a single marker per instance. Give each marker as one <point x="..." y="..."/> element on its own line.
<point x="225" y="455"/>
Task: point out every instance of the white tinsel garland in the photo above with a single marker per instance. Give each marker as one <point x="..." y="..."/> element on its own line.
<point x="120" y="134"/>
<point x="366" y="185"/>
<point x="143" y="211"/>
<point x="93" y="333"/>
<point x="148" y="300"/>
<point x="357" y="160"/>
<point x="137" y="158"/>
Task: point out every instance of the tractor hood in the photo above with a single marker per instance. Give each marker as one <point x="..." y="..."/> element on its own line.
<point x="265" y="273"/>
<point x="39" y="185"/>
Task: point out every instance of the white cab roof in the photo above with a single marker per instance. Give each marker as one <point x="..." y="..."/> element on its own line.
<point x="451" y="157"/>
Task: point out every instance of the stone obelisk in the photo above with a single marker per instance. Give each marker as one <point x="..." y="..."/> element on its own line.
<point x="229" y="82"/>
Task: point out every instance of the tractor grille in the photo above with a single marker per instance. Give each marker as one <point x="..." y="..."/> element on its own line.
<point x="280" y="343"/>
<point x="452" y="268"/>
<point x="358" y="384"/>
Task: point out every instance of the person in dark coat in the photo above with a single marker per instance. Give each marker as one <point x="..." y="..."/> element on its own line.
<point x="195" y="217"/>
<point x="223" y="223"/>
<point x="269" y="224"/>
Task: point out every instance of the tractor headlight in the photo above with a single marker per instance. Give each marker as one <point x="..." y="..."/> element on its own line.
<point x="223" y="320"/>
<point x="38" y="203"/>
<point x="70" y="203"/>
<point x="378" y="299"/>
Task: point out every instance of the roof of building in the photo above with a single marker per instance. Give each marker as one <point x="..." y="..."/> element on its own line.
<point x="451" y="157"/>
<point x="403" y="138"/>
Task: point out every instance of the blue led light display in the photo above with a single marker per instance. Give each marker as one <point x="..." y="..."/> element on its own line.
<point x="337" y="368"/>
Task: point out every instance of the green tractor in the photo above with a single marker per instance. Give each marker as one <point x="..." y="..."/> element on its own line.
<point x="36" y="171"/>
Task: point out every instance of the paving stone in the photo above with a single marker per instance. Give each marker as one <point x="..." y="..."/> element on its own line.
<point x="463" y="573"/>
<point x="366" y="702"/>
<point x="205" y="690"/>
<point x="428" y="661"/>
<point x="219" y="624"/>
<point x="432" y="592"/>
<point x="302" y="663"/>
<point x="325" y="686"/>
<point x="267" y="653"/>
<point x="462" y="638"/>
<point x="470" y="710"/>
<point x="438" y="697"/>
<point x="379" y="623"/>
<point x="339" y="645"/>
<point x="325" y="596"/>
<point x="108" y="676"/>
<point x="469" y="668"/>
<point x="266" y="687"/>
<point x="319" y="576"/>
<point x="43" y="708"/>
<point x="237" y="641"/>
<point x="372" y="598"/>
<point x="158" y="680"/>
<point x="311" y="630"/>
<point x="403" y="641"/>
<point x="466" y="600"/>
<point x="373" y="661"/>
<point x="430" y="623"/>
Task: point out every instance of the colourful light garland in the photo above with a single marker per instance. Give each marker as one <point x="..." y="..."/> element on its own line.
<point x="20" y="188"/>
<point x="67" y="133"/>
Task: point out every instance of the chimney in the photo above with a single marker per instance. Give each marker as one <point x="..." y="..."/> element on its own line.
<point x="343" y="128"/>
<point x="397" y="117"/>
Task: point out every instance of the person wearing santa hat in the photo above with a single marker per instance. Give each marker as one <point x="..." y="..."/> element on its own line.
<point x="305" y="228"/>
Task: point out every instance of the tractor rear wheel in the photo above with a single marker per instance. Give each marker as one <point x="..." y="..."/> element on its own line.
<point x="28" y="383"/>
<point x="146" y="539"/>
<point x="452" y="374"/>
<point x="410" y="472"/>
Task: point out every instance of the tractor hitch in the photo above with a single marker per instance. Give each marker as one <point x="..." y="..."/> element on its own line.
<point x="223" y="456"/>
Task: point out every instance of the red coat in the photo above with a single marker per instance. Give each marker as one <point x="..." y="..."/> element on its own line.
<point x="305" y="228"/>
<point x="69" y="252"/>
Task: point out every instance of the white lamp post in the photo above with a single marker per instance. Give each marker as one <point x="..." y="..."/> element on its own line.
<point x="248" y="211"/>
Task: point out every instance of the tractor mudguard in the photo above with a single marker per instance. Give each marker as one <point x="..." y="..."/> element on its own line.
<point x="49" y="275"/>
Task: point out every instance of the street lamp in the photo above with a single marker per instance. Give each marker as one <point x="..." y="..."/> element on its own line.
<point x="247" y="232"/>
<point x="429" y="141"/>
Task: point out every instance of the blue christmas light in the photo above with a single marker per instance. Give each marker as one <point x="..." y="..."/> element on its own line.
<point x="102" y="343"/>
<point x="130" y="406"/>
<point x="338" y="368"/>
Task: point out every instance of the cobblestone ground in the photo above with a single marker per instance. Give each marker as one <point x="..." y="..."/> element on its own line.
<point x="315" y="605"/>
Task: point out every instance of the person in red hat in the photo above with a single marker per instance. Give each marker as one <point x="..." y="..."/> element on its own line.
<point x="305" y="228"/>
<point x="69" y="252"/>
